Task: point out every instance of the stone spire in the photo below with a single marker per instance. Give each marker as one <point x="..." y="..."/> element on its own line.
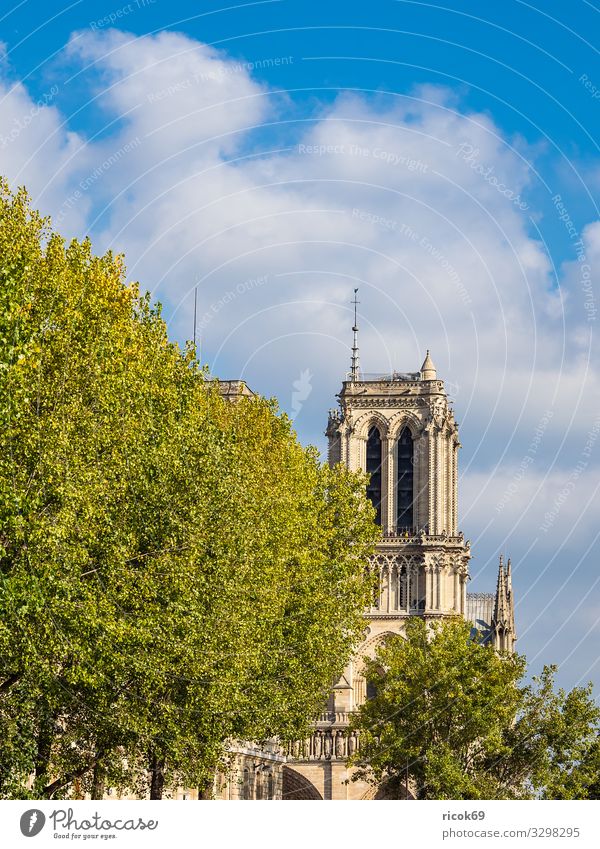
<point x="503" y="620"/>
<point x="428" y="371"/>
<point x="501" y="600"/>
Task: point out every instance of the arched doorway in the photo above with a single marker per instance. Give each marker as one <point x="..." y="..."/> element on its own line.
<point x="296" y="786"/>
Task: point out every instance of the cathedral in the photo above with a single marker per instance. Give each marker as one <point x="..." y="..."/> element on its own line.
<point x="400" y="429"/>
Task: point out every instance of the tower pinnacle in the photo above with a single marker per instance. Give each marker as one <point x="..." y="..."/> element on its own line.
<point x="428" y="371"/>
<point x="501" y="601"/>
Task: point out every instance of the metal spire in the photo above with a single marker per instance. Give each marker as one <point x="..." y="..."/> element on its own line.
<point x="354" y="369"/>
<point x="195" y="310"/>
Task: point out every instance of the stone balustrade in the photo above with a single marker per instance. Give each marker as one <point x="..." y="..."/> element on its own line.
<point x="324" y="744"/>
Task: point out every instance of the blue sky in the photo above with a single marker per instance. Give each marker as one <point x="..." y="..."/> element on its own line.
<point x="442" y="157"/>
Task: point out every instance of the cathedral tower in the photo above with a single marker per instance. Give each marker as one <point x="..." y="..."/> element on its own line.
<point x="400" y="429"/>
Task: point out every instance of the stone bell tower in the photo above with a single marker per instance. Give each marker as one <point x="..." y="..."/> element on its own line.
<point x="400" y="428"/>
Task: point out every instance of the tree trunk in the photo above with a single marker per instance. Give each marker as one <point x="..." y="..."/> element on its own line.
<point x="157" y="776"/>
<point x="206" y="790"/>
<point x="44" y="745"/>
<point x="98" y="782"/>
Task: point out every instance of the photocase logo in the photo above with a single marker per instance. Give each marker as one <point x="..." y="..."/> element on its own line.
<point x="32" y="822"/>
<point x="64" y="823"/>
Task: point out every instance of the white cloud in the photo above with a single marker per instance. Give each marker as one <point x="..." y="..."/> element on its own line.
<point x="38" y="150"/>
<point x="557" y="507"/>
<point x="180" y="94"/>
<point x="200" y="174"/>
<point x="407" y="196"/>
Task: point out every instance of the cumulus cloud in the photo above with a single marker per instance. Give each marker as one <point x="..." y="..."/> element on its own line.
<point x="182" y="95"/>
<point x="39" y="150"/>
<point x="205" y="177"/>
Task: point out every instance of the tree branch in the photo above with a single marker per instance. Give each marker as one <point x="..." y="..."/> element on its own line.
<point x="50" y="789"/>
<point x="12" y="679"/>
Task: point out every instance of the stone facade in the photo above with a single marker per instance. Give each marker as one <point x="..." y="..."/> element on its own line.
<point x="255" y="773"/>
<point x="400" y="428"/>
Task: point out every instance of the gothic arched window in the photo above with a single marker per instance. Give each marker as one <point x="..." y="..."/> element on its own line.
<point x="374" y="470"/>
<point x="246" y="788"/>
<point x="371" y="690"/>
<point x="404" y="488"/>
<point x="258" y="786"/>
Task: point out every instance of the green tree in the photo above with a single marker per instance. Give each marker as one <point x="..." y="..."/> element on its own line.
<point x="456" y="717"/>
<point x="175" y="569"/>
<point x="591" y="765"/>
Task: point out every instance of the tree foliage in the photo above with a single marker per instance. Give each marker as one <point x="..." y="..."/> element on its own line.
<point x="175" y="569"/>
<point x="456" y="716"/>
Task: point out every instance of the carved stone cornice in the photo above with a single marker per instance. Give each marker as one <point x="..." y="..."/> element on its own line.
<point x="373" y="401"/>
